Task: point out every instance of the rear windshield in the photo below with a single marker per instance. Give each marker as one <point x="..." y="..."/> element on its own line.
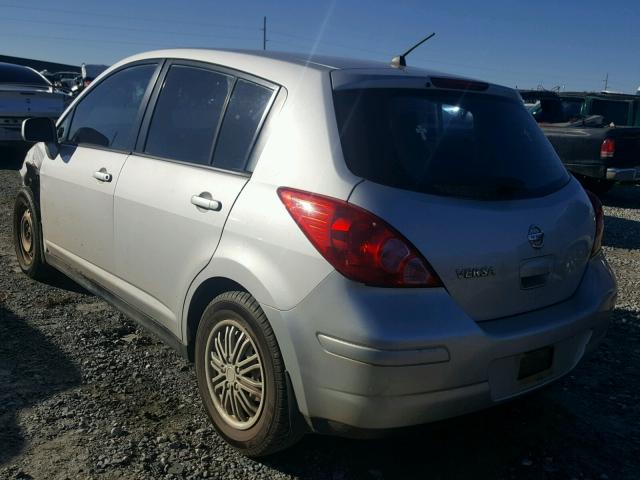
<point x="21" y="75"/>
<point x="455" y="144"/>
<point x="612" y="111"/>
<point x="572" y="108"/>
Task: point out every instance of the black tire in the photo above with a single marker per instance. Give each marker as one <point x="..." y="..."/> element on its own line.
<point x="27" y="235"/>
<point x="272" y="430"/>
<point x="599" y="186"/>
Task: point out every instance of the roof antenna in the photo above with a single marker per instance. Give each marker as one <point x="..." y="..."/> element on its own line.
<point x="400" y="61"/>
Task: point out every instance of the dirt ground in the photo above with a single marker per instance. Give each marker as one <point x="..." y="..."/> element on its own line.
<point x="84" y="393"/>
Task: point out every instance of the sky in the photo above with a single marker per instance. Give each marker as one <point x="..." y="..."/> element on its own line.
<point x="519" y="43"/>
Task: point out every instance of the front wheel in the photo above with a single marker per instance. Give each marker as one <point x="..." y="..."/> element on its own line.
<point x="27" y="235"/>
<point x="241" y="376"/>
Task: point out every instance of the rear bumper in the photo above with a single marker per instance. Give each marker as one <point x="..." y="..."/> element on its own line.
<point x="624" y="174"/>
<point x="370" y="358"/>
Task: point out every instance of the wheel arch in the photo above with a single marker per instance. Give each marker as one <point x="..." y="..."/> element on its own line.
<point x="31" y="180"/>
<point x="30" y="171"/>
<point x="202" y="296"/>
<point x="206" y="287"/>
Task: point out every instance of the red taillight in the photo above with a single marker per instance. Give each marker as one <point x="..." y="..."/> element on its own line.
<point x="356" y="243"/>
<point x="599" y="220"/>
<point x="608" y="148"/>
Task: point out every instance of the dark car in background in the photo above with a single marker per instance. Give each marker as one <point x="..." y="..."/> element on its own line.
<point x="25" y="93"/>
<point x="619" y="109"/>
<point x="616" y="108"/>
<point x="589" y="133"/>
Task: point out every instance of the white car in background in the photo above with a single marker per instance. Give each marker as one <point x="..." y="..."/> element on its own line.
<point x="25" y="93"/>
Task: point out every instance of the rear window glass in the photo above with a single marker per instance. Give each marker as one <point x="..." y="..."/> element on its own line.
<point x="612" y="111"/>
<point x="246" y="110"/>
<point x="556" y="110"/>
<point x="455" y="144"/>
<point x="188" y="113"/>
<point x="572" y="108"/>
<point x="21" y="75"/>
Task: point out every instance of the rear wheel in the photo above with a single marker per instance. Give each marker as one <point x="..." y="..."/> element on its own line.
<point x="241" y="376"/>
<point x="27" y="235"/>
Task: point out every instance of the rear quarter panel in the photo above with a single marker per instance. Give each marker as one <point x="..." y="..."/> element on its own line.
<point x="262" y="248"/>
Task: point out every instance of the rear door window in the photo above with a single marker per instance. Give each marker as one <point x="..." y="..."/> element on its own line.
<point x="188" y="114"/>
<point x="246" y="111"/>
<point x="456" y="144"/>
<point x="108" y="114"/>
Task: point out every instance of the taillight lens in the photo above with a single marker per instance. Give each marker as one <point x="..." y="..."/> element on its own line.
<point x="599" y="220"/>
<point x="608" y="148"/>
<point x="356" y="243"/>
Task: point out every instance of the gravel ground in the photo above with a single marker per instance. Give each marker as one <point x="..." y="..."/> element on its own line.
<point x="84" y="393"/>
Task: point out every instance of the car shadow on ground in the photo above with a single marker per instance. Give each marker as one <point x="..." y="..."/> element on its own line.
<point x="32" y="369"/>
<point x="622" y="196"/>
<point x="59" y="280"/>
<point x="621" y="233"/>
<point x="11" y="157"/>
<point x="529" y="437"/>
<point x="482" y="443"/>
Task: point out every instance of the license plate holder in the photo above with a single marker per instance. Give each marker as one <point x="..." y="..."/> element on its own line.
<point x="535" y="362"/>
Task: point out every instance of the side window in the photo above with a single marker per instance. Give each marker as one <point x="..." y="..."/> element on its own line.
<point x="246" y="110"/>
<point x="107" y="115"/>
<point x="63" y="128"/>
<point x="187" y="114"/>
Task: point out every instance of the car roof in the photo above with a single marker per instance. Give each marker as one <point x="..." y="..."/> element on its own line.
<point x="291" y="69"/>
<point x="601" y="95"/>
<point x="272" y="64"/>
<point x="538" y="94"/>
<point x="14" y="66"/>
<point x="8" y="68"/>
<point x="276" y="58"/>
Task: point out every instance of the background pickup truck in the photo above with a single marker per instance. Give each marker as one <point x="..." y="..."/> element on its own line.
<point x="595" y="152"/>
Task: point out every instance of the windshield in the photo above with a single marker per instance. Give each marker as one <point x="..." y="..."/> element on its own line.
<point x="456" y="144"/>
<point x="18" y="74"/>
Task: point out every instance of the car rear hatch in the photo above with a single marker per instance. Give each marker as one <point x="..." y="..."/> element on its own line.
<point x="466" y="175"/>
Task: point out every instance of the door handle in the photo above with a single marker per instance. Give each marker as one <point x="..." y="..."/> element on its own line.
<point x="201" y="201"/>
<point x="102" y="175"/>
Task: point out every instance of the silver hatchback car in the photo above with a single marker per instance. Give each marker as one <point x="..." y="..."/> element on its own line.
<point x="339" y="246"/>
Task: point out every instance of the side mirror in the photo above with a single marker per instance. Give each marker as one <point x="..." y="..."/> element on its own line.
<point x="39" y="129"/>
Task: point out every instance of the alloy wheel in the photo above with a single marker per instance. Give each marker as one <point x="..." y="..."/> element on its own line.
<point x="26" y="236"/>
<point x="235" y="375"/>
